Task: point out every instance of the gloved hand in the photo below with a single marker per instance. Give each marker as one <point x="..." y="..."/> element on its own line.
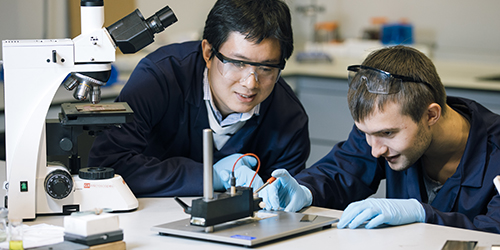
<point x="242" y="171"/>
<point x="285" y="193"/>
<point x="382" y="211"/>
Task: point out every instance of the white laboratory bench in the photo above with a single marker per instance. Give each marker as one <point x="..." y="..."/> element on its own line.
<point x="453" y="74"/>
<point x="136" y="227"/>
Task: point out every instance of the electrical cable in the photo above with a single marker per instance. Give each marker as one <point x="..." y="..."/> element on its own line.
<point x="256" y="171"/>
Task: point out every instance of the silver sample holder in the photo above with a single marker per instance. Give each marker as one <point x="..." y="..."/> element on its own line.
<point x="266" y="226"/>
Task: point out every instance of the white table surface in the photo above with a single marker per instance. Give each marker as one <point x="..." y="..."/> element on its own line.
<point x="137" y="225"/>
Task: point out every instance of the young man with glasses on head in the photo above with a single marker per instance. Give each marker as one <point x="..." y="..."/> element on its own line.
<point x="439" y="155"/>
<point x="229" y="82"/>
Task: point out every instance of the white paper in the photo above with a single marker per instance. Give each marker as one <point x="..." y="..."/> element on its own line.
<point x="39" y="235"/>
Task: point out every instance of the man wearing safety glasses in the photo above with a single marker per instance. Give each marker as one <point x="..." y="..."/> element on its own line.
<point x="229" y="82"/>
<point x="439" y="155"/>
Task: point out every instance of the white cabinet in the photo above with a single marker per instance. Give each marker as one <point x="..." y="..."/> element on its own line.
<point x="325" y="101"/>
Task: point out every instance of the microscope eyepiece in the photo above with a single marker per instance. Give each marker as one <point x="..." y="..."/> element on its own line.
<point x="92" y="3"/>
<point x="133" y="32"/>
<point x="161" y="19"/>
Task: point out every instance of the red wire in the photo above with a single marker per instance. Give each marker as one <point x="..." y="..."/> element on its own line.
<point x="258" y="165"/>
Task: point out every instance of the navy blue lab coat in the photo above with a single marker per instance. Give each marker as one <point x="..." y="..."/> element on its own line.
<point x="160" y="153"/>
<point x="468" y="199"/>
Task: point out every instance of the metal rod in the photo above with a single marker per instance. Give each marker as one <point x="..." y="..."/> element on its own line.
<point x="269" y="181"/>
<point x="208" y="189"/>
<point x="261" y="187"/>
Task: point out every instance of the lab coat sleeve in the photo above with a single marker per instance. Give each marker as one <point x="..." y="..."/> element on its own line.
<point x="123" y="148"/>
<point x="489" y="222"/>
<point x="348" y="173"/>
<point x="294" y="154"/>
<point x="284" y="136"/>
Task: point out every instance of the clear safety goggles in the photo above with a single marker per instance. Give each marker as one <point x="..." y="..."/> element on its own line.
<point x="378" y="81"/>
<point x="239" y="71"/>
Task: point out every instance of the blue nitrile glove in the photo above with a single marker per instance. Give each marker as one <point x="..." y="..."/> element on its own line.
<point x="285" y="192"/>
<point x="382" y="211"/>
<point x="242" y="171"/>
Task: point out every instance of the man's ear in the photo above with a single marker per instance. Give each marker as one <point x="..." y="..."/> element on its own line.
<point x="433" y="113"/>
<point x="207" y="51"/>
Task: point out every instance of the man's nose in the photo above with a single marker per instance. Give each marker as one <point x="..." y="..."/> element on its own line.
<point x="251" y="81"/>
<point x="378" y="147"/>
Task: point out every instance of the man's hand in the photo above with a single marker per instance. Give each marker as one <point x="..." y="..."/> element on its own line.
<point x="242" y="171"/>
<point x="382" y="211"/>
<point x="285" y="193"/>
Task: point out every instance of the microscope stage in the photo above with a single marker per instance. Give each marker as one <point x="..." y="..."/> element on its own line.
<point x="95" y="114"/>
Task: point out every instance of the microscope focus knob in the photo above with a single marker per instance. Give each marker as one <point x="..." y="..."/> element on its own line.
<point x="98" y="173"/>
<point x="58" y="184"/>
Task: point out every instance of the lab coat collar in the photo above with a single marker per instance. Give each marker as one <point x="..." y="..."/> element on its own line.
<point x="194" y="97"/>
<point x="414" y="175"/>
<point x="471" y="169"/>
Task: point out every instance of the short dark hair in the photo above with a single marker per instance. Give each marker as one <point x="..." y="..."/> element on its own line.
<point x="257" y="19"/>
<point x="414" y="98"/>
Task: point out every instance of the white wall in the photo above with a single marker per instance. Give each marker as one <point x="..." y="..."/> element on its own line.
<point x="33" y="19"/>
<point x="191" y="15"/>
<point x="458" y="29"/>
<point x="24" y="19"/>
<point x="455" y="29"/>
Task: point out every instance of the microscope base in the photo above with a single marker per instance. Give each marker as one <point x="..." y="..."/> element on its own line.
<point x="112" y="194"/>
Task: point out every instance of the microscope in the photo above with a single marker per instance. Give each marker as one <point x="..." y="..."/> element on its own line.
<point x="33" y="71"/>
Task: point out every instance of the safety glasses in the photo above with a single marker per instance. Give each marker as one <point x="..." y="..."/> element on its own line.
<point x="378" y="81"/>
<point x="237" y="70"/>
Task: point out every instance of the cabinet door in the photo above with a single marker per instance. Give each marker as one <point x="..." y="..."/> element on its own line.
<point x="489" y="99"/>
<point x="325" y="101"/>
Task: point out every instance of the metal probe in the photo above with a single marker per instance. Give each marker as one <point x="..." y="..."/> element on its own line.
<point x="269" y="181"/>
